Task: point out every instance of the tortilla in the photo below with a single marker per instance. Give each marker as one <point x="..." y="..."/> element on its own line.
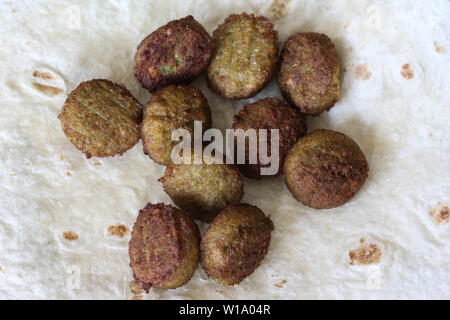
<point x="57" y="208"/>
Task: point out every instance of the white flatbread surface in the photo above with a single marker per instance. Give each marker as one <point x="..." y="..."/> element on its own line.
<point x="65" y="221"/>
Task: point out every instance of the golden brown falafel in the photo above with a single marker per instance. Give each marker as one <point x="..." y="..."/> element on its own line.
<point x="173" y="54"/>
<point x="202" y="190"/>
<point x="101" y="118"/>
<point x="245" y="53"/>
<point x="325" y="169"/>
<point x="235" y="243"/>
<point x="309" y="72"/>
<point x="164" y="247"/>
<point x="172" y="108"/>
<point x="269" y="113"/>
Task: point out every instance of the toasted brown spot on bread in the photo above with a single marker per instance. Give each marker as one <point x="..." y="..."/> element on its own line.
<point x="362" y="71"/>
<point x="407" y="72"/>
<point x="118" y="230"/>
<point x="68" y="173"/>
<point x="43" y="75"/>
<point x="438" y="48"/>
<point x="47" y="90"/>
<point x="97" y="163"/>
<point x="70" y="235"/>
<point x="281" y="284"/>
<point x="440" y="214"/>
<point x="136" y="298"/>
<point x="61" y="157"/>
<point x="367" y="253"/>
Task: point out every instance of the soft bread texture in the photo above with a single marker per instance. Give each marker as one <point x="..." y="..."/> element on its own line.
<point x="48" y="188"/>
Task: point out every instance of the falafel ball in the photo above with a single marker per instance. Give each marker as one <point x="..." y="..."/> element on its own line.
<point x="309" y="72"/>
<point x="269" y="113"/>
<point x="325" y="169"/>
<point x="245" y="53"/>
<point x="173" y="54"/>
<point x="202" y="190"/>
<point x="164" y="247"/>
<point x="101" y="118"/>
<point x="235" y="243"/>
<point x="172" y="108"/>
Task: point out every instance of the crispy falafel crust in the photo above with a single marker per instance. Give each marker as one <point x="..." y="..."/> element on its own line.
<point x="309" y="72"/>
<point x="235" y="243"/>
<point x="202" y="190"/>
<point x="270" y="113"/>
<point x="101" y="118"/>
<point x="172" y="108"/>
<point x="164" y="247"/>
<point x="173" y="54"/>
<point x="245" y="54"/>
<point x="325" y="169"/>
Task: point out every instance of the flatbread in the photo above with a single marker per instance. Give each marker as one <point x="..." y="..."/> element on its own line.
<point x="65" y="220"/>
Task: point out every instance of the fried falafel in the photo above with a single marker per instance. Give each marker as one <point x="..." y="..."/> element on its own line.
<point x="175" y="53"/>
<point x="202" y="190"/>
<point x="101" y="118"/>
<point x="174" y="107"/>
<point x="309" y="72"/>
<point x="235" y="243"/>
<point x="325" y="169"/>
<point x="269" y="113"/>
<point x="164" y="247"/>
<point x="245" y="53"/>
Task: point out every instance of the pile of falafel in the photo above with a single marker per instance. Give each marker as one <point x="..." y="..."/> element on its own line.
<point x="322" y="169"/>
